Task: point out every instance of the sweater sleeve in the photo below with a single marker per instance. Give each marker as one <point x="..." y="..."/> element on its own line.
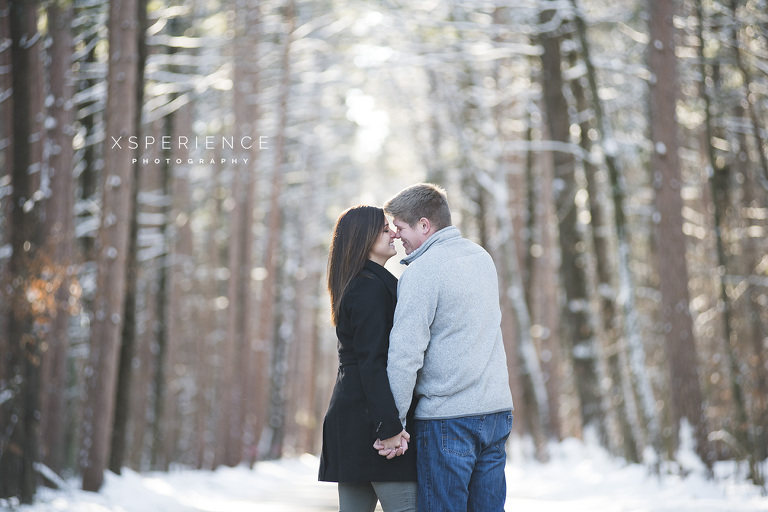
<point x="368" y="315"/>
<point x="409" y="339"/>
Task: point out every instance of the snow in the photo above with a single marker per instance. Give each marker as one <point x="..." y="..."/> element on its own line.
<point x="579" y="477"/>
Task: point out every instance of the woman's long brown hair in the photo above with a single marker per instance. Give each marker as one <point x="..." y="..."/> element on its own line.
<point x="353" y="238"/>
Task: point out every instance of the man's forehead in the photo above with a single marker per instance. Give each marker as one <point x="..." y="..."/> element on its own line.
<point x="399" y="223"/>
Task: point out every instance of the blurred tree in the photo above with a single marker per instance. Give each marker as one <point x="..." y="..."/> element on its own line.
<point x="576" y="327"/>
<point x="31" y="298"/>
<point x="729" y="176"/>
<point x="60" y="233"/>
<point x="247" y="30"/>
<point x="627" y="384"/>
<point x="129" y="336"/>
<point x="273" y="431"/>
<point x="113" y="242"/>
<point x="6" y="158"/>
<point x="676" y="323"/>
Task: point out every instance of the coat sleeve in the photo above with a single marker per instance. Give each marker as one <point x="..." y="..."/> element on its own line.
<point x="369" y="308"/>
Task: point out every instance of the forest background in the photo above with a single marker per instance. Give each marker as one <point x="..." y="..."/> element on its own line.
<point x="171" y="172"/>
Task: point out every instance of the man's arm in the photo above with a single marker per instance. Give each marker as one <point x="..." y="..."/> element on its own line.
<point x="408" y="341"/>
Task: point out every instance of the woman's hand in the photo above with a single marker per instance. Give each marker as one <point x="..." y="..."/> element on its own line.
<point x="394" y="446"/>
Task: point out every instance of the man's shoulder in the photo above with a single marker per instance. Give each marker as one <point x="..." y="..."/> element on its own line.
<point x="459" y="247"/>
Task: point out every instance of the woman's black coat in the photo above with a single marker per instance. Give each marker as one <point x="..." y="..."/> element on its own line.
<point x="362" y="408"/>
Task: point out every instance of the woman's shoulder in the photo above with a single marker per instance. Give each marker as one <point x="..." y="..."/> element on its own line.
<point x="364" y="282"/>
<point x="369" y="286"/>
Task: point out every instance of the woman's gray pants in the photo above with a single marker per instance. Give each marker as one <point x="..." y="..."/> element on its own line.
<point x="362" y="497"/>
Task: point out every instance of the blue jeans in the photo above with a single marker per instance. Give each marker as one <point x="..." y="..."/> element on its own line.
<point x="461" y="463"/>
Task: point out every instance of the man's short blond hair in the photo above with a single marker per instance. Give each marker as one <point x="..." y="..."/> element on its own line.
<point x="423" y="200"/>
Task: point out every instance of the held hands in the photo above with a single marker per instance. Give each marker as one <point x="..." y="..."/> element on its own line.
<point x="394" y="446"/>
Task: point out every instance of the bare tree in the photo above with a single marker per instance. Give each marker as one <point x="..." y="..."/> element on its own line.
<point x="626" y="364"/>
<point x="271" y="441"/>
<point x="182" y="300"/>
<point x="60" y="232"/>
<point x="129" y="336"/>
<point x="719" y="170"/>
<point x="617" y="429"/>
<point x="752" y="438"/>
<point x="756" y="123"/>
<point x="19" y="421"/>
<point x="247" y="28"/>
<point x="577" y="332"/>
<point x="6" y="157"/>
<point x="113" y="241"/>
<point x="162" y="368"/>
<point x="676" y="324"/>
<point x="150" y="251"/>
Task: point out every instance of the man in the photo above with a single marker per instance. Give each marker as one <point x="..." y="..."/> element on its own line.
<point x="446" y="352"/>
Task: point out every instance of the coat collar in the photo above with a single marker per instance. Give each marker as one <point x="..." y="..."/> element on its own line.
<point x="383" y="274"/>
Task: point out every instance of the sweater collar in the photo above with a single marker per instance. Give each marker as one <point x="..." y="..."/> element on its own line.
<point x="436" y="238"/>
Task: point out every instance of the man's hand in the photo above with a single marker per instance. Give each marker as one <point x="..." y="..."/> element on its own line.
<point x="394" y="446"/>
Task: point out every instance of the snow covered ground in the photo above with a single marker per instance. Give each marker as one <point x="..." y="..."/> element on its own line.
<point x="578" y="478"/>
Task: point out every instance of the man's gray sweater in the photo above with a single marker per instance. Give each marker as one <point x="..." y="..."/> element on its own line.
<point x="446" y="341"/>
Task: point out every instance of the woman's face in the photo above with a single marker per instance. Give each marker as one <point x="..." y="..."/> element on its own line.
<point x="384" y="247"/>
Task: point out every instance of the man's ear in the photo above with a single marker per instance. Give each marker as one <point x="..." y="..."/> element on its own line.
<point x="424" y="225"/>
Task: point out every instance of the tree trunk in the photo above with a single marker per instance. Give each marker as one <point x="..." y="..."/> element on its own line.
<point x="270" y="444"/>
<point x="301" y="420"/>
<point x="754" y="439"/>
<point x="128" y="347"/>
<point x="246" y="123"/>
<point x="540" y="274"/>
<point x="93" y="152"/>
<point x="150" y="204"/>
<point x="757" y="125"/>
<point x="109" y="301"/>
<point x="211" y="408"/>
<point x="222" y="407"/>
<point x="234" y="341"/>
<point x="6" y="171"/>
<point x="756" y="259"/>
<point x="532" y="379"/>
<point x="718" y="183"/>
<point x="618" y="431"/>
<point x="676" y="322"/>
<point x="162" y="368"/>
<point x="241" y="238"/>
<point x="576" y="331"/>
<point x="19" y="421"/>
<point x="60" y="234"/>
<point x="183" y="332"/>
<point x="627" y="364"/>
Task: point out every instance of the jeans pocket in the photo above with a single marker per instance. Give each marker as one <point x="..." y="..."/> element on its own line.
<point x="501" y="445"/>
<point x="453" y="440"/>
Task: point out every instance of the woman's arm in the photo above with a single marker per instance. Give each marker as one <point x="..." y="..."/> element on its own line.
<point x="369" y="304"/>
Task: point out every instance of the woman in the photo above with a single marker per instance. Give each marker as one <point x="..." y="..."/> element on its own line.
<point x="362" y="410"/>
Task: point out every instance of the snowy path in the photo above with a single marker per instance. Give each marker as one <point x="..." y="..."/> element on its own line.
<point x="577" y="478"/>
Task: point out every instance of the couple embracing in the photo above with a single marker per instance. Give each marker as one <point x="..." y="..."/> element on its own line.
<point x="421" y="409"/>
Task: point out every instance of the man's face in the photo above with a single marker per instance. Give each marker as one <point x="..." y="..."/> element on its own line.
<point x="411" y="237"/>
